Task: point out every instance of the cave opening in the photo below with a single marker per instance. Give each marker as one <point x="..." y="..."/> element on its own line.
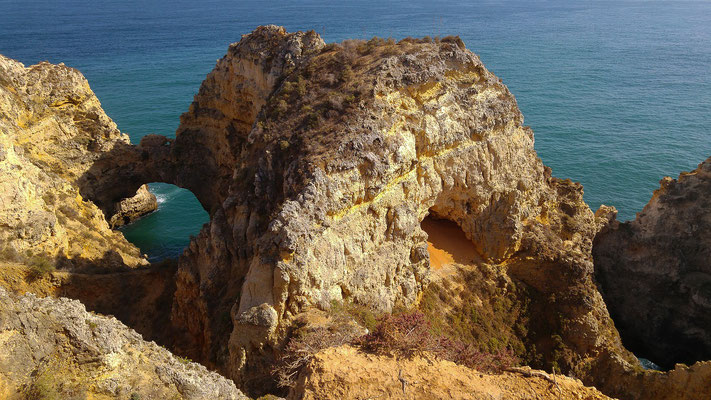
<point x="447" y="244"/>
<point x="166" y="232"/>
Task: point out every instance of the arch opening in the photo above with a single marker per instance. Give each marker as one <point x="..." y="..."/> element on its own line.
<point x="166" y="232"/>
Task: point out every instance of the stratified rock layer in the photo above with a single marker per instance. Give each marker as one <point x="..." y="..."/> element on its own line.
<point x="655" y="271"/>
<point x="53" y="348"/>
<point x="52" y="131"/>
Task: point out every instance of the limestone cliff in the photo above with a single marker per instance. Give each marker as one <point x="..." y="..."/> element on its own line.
<point x="52" y="130"/>
<point x="53" y="348"/>
<point x="367" y="376"/>
<point x="655" y="274"/>
<point x="318" y="164"/>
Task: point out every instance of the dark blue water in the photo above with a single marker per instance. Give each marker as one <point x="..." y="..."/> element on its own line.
<point x="617" y="92"/>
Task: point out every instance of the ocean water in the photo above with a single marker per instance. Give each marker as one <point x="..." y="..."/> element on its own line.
<point x="618" y="92"/>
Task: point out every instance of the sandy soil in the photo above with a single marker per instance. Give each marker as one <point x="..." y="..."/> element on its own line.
<point x="368" y="376"/>
<point x="447" y="244"/>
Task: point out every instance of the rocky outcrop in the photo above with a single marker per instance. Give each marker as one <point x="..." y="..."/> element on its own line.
<point x="53" y="348"/>
<point x="52" y="132"/>
<point x="367" y="376"/>
<point x="322" y="162"/>
<point x="654" y="272"/>
<point x="629" y="382"/>
<point x="132" y="208"/>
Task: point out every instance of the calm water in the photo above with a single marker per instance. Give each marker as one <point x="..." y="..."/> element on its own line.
<point x="617" y="92"/>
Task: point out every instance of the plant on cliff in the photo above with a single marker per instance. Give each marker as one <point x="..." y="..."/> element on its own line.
<point x="410" y="333"/>
<point x="43" y="388"/>
<point x="339" y="330"/>
<point x="39" y="267"/>
<point x="480" y="307"/>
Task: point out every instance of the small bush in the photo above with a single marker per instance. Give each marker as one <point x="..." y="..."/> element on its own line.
<point x="184" y="360"/>
<point x="42" y="388"/>
<point x="361" y="314"/>
<point x="301" y="86"/>
<point x="92" y="325"/>
<point x="301" y="348"/>
<point x="405" y="334"/>
<point x="347" y="74"/>
<point x="409" y="334"/>
<point x="39" y="267"/>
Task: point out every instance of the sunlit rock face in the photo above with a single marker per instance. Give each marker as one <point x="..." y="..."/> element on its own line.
<point x="318" y="163"/>
<point x="655" y="272"/>
<point x="53" y="134"/>
<point x="54" y="348"/>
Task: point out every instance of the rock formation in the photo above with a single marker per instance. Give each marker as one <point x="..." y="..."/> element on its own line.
<point x="52" y="131"/>
<point x="318" y="164"/>
<point x="655" y="271"/>
<point x="367" y="376"/>
<point x="53" y="348"/>
<point x="131" y="208"/>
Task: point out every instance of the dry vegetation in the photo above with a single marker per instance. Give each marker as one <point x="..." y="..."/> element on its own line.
<point x="404" y="334"/>
<point x="481" y="308"/>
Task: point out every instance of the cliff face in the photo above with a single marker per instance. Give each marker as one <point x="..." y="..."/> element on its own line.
<point x="655" y="274"/>
<point x="323" y="161"/>
<point x="53" y="348"/>
<point x="52" y="131"/>
<point x="318" y="165"/>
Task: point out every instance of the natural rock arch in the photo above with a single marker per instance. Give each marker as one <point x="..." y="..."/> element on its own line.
<point x="321" y="196"/>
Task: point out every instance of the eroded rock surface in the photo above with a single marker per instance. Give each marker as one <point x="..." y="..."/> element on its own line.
<point x="133" y="208"/>
<point x="317" y="164"/>
<point x="323" y="161"/>
<point x="53" y="348"/>
<point x="52" y="131"/>
<point x="655" y="271"/>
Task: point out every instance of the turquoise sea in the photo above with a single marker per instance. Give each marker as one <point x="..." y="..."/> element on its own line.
<point x="618" y="92"/>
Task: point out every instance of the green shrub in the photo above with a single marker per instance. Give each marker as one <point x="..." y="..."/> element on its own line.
<point x="39" y="267"/>
<point x="410" y="334"/>
<point x="92" y="324"/>
<point x="43" y="388"/>
<point x="363" y="315"/>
